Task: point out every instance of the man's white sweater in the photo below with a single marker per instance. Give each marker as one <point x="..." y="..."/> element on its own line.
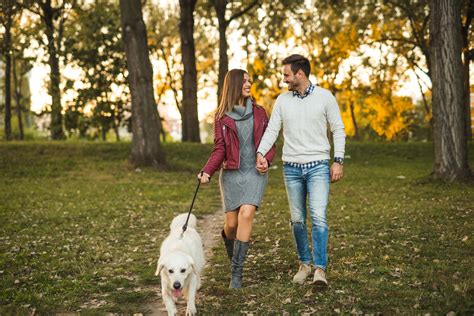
<point x="305" y="124"/>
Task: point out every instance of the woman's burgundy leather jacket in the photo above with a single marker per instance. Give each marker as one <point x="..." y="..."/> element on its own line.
<point x="226" y="152"/>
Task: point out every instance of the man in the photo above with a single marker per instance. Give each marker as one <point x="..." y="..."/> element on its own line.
<point x="305" y="112"/>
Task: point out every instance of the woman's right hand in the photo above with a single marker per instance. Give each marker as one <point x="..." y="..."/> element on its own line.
<point x="204" y="177"/>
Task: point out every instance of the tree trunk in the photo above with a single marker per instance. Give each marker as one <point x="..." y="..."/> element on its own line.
<point x="115" y="122"/>
<point x="220" y="7"/>
<point x="146" y="126"/>
<point x="117" y="134"/>
<point x="8" y="91"/>
<point x="223" y="60"/>
<point x="56" y="126"/>
<point x="103" y="133"/>
<point x="450" y="145"/>
<point x="115" y="117"/>
<point x="351" y="105"/>
<point x="17" y="84"/>
<point x="190" y="111"/>
<point x="20" y="119"/>
<point x="468" y="6"/>
<point x="467" y="99"/>
<point x="354" y="122"/>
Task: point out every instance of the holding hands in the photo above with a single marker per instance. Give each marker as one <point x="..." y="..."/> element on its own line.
<point x="262" y="164"/>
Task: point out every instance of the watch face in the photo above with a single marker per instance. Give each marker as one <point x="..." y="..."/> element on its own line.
<point x="339" y="160"/>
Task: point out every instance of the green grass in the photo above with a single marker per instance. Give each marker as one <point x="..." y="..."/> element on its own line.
<point x="78" y="224"/>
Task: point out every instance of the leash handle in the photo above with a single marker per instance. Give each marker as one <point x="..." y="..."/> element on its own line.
<point x="192" y="204"/>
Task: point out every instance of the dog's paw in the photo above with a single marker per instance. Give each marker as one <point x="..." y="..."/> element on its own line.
<point x="191" y="310"/>
<point x="172" y="312"/>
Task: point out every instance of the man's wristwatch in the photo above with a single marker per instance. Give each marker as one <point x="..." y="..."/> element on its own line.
<point x="339" y="160"/>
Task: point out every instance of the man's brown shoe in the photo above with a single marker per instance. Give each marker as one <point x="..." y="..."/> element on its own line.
<point x="320" y="277"/>
<point x="302" y="274"/>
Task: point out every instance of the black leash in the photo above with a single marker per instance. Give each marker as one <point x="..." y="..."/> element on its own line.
<point x="192" y="204"/>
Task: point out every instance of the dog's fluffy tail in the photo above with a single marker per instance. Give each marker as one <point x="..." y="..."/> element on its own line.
<point x="179" y="221"/>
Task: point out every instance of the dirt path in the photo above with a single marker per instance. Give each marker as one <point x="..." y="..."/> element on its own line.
<point x="209" y="228"/>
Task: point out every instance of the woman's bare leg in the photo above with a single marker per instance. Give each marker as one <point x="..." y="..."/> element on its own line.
<point x="231" y="224"/>
<point x="245" y="222"/>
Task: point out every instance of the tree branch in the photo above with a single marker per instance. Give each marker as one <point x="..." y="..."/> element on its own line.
<point x="401" y="40"/>
<point x="418" y="34"/>
<point x="239" y="14"/>
<point x="415" y="65"/>
<point x="469" y="16"/>
<point x="171" y="79"/>
<point x="425" y="102"/>
<point x="29" y="8"/>
<point x="465" y="31"/>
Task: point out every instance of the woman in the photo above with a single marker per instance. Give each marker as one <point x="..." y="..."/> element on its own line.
<point x="238" y="128"/>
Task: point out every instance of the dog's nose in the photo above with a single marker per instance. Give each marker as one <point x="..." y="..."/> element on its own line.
<point x="177" y="285"/>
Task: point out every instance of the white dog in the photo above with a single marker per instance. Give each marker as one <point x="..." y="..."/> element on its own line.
<point x="180" y="264"/>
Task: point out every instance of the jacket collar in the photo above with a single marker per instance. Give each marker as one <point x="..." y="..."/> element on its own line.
<point x="229" y="122"/>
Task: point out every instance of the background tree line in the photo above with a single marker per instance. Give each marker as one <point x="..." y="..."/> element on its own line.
<point x="361" y="50"/>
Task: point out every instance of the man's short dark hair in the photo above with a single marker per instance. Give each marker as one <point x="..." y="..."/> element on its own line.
<point x="298" y="62"/>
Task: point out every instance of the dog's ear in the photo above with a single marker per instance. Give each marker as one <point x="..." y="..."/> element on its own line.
<point x="191" y="263"/>
<point x="193" y="268"/>
<point x="159" y="267"/>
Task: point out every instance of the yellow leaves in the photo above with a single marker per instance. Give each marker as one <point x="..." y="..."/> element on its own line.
<point x="265" y="87"/>
<point x="205" y="65"/>
<point x="162" y="88"/>
<point x="386" y="114"/>
<point x="348" y="124"/>
<point x="256" y="92"/>
<point x="346" y="98"/>
<point x="344" y="42"/>
<point x="318" y="72"/>
<point x="353" y="34"/>
<point x="258" y="66"/>
<point x="376" y="32"/>
<point x="289" y="33"/>
<point x="152" y="41"/>
<point x="389" y="116"/>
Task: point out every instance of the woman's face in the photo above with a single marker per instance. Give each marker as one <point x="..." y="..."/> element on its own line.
<point x="246" y="86"/>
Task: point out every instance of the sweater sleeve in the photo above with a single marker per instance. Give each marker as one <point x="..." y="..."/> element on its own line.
<point x="272" y="131"/>
<point x="337" y="127"/>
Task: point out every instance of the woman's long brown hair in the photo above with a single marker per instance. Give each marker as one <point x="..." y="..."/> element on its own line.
<point x="231" y="91"/>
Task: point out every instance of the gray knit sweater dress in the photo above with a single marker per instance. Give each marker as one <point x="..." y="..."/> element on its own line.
<point x="244" y="185"/>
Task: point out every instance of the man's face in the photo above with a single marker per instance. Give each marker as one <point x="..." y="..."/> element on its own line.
<point x="291" y="79"/>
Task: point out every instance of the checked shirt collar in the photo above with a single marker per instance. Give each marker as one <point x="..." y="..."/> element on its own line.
<point x="307" y="92"/>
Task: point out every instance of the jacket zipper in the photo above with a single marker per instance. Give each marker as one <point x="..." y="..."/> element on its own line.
<point x="224" y="131"/>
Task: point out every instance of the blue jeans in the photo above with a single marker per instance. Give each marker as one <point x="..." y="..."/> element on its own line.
<point x="309" y="183"/>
